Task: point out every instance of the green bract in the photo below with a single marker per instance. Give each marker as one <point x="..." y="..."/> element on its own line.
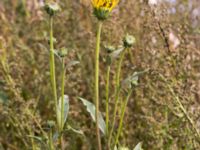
<point x="129" y="40"/>
<point x="101" y="14"/>
<point x="63" y="52"/>
<point x="52" y="8"/>
<point x="109" y="48"/>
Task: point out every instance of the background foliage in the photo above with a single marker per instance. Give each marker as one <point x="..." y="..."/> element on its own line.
<point x="167" y="44"/>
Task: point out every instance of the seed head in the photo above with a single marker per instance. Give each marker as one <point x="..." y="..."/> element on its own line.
<point x="63" y="52"/>
<point x="129" y="40"/>
<point x="51" y="8"/>
<point x="109" y="48"/>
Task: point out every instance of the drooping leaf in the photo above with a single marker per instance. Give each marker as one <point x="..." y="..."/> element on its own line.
<point x="66" y="110"/>
<point x="92" y="110"/>
<point x="56" y="136"/>
<point x="75" y="130"/>
<point x="37" y="138"/>
<point x="132" y="80"/>
<point x="115" y="148"/>
<point x="72" y="63"/>
<point x="138" y="146"/>
<point x="115" y="54"/>
<point x="123" y="148"/>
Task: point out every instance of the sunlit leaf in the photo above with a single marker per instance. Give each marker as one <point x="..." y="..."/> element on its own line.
<point x="72" y="63"/>
<point x="138" y="146"/>
<point x="92" y="110"/>
<point x="123" y="148"/>
<point x="115" y="54"/>
<point x="66" y="110"/>
<point x="75" y="130"/>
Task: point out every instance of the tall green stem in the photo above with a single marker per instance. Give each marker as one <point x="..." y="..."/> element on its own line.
<point x="62" y="102"/>
<point x="52" y="68"/>
<point x="51" y="147"/>
<point x="107" y="99"/>
<point x="62" y="94"/>
<point x="97" y="83"/>
<point x="117" y="92"/>
<point x="122" y="116"/>
<point x="24" y="2"/>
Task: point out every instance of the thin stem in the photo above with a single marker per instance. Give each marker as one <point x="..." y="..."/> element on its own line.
<point x="122" y="116"/>
<point x="107" y="99"/>
<point x="62" y="102"/>
<point x="52" y="68"/>
<point x="51" y="147"/>
<point x="61" y="143"/>
<point x="117" y="92"/>
<point x="131" y="56"/>
<point x="32" y="139"/>
<point x="24" y="2"/>
<point x="97" y="83"/>
<point x="62" y="94"/>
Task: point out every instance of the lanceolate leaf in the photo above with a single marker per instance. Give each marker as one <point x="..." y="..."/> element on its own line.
<point x="92" y="110"/>
<point x="138" y="146"/>
<point x="75" y="130"/>
<point x="66" y="109"/>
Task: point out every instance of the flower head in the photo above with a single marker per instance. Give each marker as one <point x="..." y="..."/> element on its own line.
<point x="102" y="8"/>
<point x="51" y="8"/>
<point x="129" y="40"/>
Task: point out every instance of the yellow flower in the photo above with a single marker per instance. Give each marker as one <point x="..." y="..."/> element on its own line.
<point x="102" y="8"/>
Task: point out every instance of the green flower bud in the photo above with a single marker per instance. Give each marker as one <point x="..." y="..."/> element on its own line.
<point x="63" y="52"/>
<point x="129" y="40"/>
<point x="101" y="14"/>
<point x="54" y="40"/>
<point x="109" y="48"/>
<point x="131" y="81"/>
<point x="51" y="8"/>
<point x="50" y="124"/>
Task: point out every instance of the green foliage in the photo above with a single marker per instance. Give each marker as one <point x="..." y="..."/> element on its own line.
<point x="66" y="110"/>
<point x="91" y="109"/>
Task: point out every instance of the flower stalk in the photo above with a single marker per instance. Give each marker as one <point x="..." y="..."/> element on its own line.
<point x="52" y="69"/>
<point x="107" y="99"/>
<point x="123" y="108"/>
<point x="97" y="82"/>
<point x="62" y="94"/>
<point x="117" y="92"/>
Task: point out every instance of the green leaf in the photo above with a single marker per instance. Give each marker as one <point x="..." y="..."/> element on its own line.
<point x="37" y="138"/>
<point x="66" y="110"/>
<point x="56" y="136"/>
<point x="115" y="54"/>
<point x="92" y="110"/>
<point x="123" y="148"/>
<point x="72" y="63"/>
<point x="132" y="80"/>
<point x="75" y="130"/>
<point x="138" y="146"/>
<point x="115" y="148"/>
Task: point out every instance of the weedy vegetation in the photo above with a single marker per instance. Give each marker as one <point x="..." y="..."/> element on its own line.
<point x="99" y="74"/>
